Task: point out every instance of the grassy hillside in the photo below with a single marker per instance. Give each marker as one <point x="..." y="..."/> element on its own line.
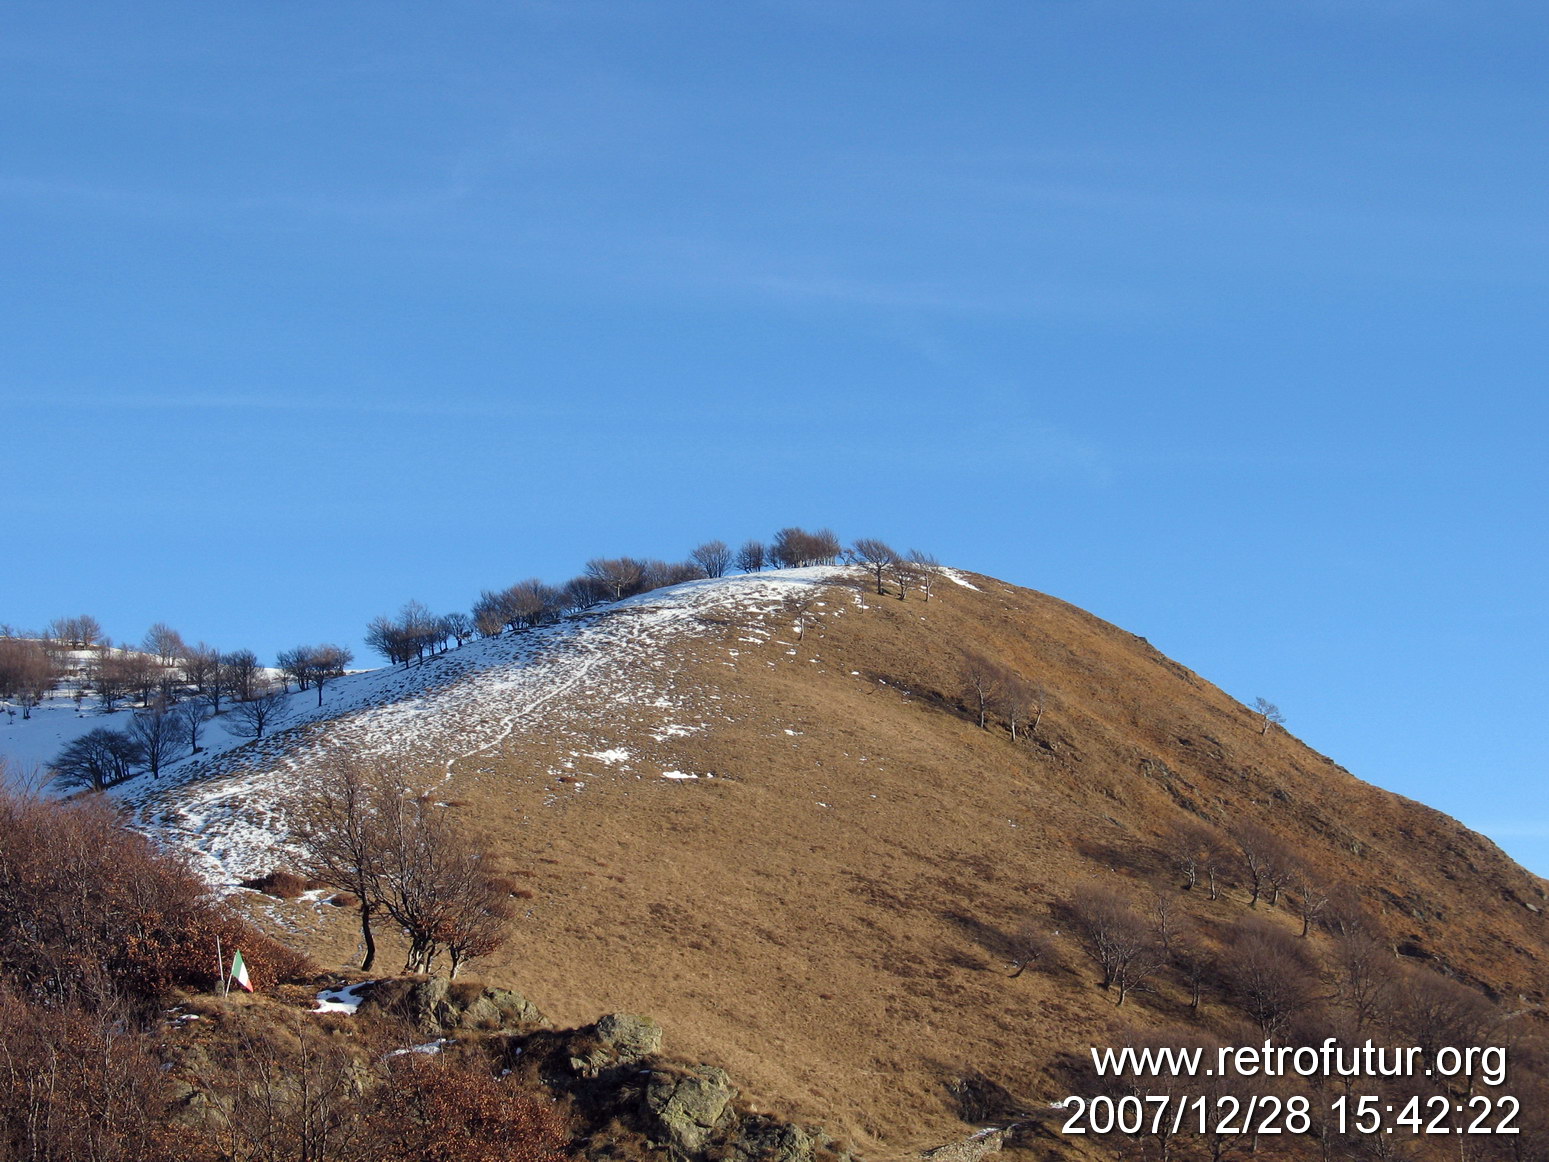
<point x="782" y="834"/>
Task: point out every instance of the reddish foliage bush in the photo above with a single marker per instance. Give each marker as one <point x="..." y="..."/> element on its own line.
<point x="434" y="1111"/>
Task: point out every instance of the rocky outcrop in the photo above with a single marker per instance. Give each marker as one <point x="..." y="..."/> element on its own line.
<point x="438" y="1005"/>
<point x="689" y="1105"/>
<point x="616" y="1040"/>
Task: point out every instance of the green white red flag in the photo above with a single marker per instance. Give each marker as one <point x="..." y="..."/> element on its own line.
<point x="239" y="972"/>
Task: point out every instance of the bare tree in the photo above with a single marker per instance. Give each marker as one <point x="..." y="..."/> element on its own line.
<point x="27" y="673"/>
<point x="620" y="577"/>
<point x="877" y="556"/>
<point x="261" y="712"/>
<point x="326" y="662"/>
<point x="189" y="719"/>
<point x="388" y="637"/>
<point x="1312" y="895"/>
<point x="1020" y="703"/>
<point x="1270" y="976"/>
<point x="795" y="548"/>
<point x="926" y="571"/>
<point x="799" y="608"/>
<point x="660" y="574"/>
<point x="201" y="665"/>
<point x="78" y="633"/>
<point x="1196" y="850"/>
<point x="1030" y="946"/>
<point x="164" y="642"/>
<point x="459" y="625"/>
<point x="1120" y="941"/>
<point x="1264" y="858"/>
<point x="1268" y="713"/>
<point x="423" y="873"/>
<point x="714" y="557"/>
<point x="476" y="911"/>
<point x="340" y="832"/>
<point x="241" y="674"/>
<point x="584" y="592"/>
<point x="752" y="557"/>
<point x="97" y="760"/>
<point x="159" y="734"/>
<point x="982" y="680"/>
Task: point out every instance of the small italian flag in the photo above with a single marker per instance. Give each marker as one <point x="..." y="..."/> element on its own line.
<point x="239" y="972"/>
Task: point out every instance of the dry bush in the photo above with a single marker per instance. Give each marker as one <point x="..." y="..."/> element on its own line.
<point x="90" y="910"/>
<point x="77" y="1085"/>
<point x="285" y="885"/>
<point x="432" y="1110"/>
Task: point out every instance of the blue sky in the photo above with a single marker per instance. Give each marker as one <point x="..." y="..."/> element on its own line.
<point x="1224" y="321"/>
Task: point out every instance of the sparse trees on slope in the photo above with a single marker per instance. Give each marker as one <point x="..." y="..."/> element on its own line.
<point x="660" y="574"/>
<point x="339" y="830"/>
<point x="714" y="557"/>
<point x="1270" y="976"/>
<point x="431" y="881"/>
<point x="77" y="633"/>
<point x="326" y="662"/>
<point x="1118" y="939"/>
<point x="1264" y="858"/>
<point x="584" y="592"/>
<point x="189" y="719"/>
<point x="27" y="673"/>
<point x="1196" y="850"/>
<point x="619" y="577"/>
<point x="366" y="830"/>
<point x="242" y="674"/>
<point x="164" y="642"/>
<point x="1020" y="703"/>
<point x="410" y="635"/>
<point x="795" y="548"/>
<point x="459" y="626"/>
<point x="202" y="670"/>
<point x="926" y="571"/>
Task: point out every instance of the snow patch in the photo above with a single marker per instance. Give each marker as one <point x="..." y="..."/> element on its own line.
<point x="341" y="1000"/>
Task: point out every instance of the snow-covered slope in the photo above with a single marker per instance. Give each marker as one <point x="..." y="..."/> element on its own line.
<point x="227" y="805"/>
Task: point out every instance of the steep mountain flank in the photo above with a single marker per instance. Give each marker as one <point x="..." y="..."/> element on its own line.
<point x="762" y="811"/>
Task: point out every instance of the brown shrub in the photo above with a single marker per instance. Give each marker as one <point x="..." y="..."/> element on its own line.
<point x="286" y="885"/>
<point x="90" y="910"/>
<point x="432" y="1110"/>
<point x="79" y="1085"/>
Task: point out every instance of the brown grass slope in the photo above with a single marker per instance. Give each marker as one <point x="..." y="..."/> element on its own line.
<point x="827" y="916"/>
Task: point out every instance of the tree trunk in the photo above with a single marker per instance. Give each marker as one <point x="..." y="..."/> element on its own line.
<point x="366" y="937"/>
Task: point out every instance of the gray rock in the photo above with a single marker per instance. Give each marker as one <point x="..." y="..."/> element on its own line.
<point x="500" y="1009"/>
<point x="436" y="1006"/>
<point x="617" y="1039"/>
<point x="762" y="1139"/>
<point x="689" y="1106"/>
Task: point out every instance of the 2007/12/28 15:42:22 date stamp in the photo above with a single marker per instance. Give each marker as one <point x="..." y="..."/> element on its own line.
<point x="1268" y="1114"/>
